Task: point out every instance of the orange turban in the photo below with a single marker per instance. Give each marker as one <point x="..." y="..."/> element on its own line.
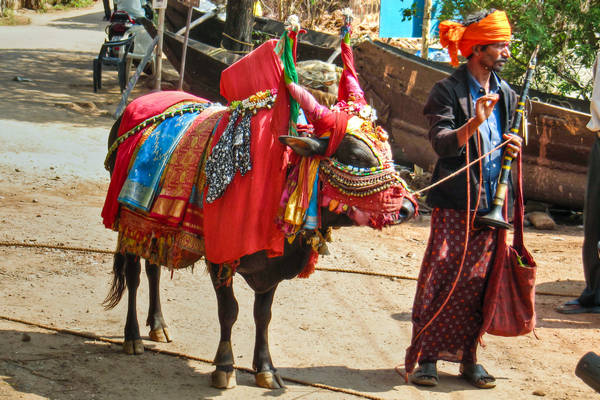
<point x="493" y="28"/>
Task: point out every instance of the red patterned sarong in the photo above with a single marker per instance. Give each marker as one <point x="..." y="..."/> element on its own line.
<point x="452" y="336"/>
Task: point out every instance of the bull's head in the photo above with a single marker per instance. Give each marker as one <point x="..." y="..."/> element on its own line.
<point x="358" y="183"/>
<point x="357" y="180"/>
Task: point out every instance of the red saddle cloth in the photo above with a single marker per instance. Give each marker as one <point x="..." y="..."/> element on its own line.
<point x="243" y="220"/>
<point x="136" y="112"/>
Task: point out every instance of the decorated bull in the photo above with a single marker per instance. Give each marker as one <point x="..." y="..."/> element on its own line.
<point x="246" y="187"/>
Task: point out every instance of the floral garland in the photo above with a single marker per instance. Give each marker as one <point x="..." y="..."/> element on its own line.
<point x="259" y="100"/>
<point x="363" y="111"/>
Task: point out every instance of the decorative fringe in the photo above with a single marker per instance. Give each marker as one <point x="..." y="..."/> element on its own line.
<point x="309" y="268"/>
<point x="318" y="243"/>
<point x="226" y="273"/>
<point x="156" y="243"/>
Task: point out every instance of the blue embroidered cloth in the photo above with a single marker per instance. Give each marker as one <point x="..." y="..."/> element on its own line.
<point x="311" y="219"/>
<point x="143" y="178"/>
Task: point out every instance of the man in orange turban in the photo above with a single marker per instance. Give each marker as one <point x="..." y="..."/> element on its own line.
<point x="494" y="28"/>
<point x="467" y="112"/>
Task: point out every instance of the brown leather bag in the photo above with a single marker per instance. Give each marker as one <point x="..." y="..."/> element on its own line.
<point x="509" y="301"/>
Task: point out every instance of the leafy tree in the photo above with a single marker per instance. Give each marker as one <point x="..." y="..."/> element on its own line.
<point x="568" y="32"/>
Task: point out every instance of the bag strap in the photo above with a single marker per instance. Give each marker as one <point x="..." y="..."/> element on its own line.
<point x="519" y="209"/>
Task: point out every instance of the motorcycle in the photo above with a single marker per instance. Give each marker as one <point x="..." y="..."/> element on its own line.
<point x="122" y="26"/>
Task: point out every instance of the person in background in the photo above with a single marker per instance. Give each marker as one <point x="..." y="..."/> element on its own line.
<point x="589" y="300"/>
<point x="473" y="105"/>
<point x="135" y="8"/>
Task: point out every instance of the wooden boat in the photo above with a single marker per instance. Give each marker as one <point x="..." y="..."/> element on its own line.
<point x="398" y="84"/>
<point x="554" y="160"/>
<point x="205" y="59"/>
<point x="312" y="45"/>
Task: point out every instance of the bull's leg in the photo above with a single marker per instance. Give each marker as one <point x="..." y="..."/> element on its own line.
<point x="133" y="342"/>
<point x="266" y="374"/>
<point x="155" y="320"/>
<point x="224" y="375"/>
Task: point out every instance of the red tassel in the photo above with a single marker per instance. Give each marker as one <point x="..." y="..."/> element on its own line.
<point x="309" y="268"/>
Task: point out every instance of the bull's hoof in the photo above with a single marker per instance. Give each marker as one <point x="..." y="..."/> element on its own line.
<point x="133" y="347"/>
<point x="160" y="335"/>
<point x="269" y="380"/>
<point x="223" y="379"/>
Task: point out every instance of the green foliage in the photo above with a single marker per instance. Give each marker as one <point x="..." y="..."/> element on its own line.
<point x="568" y="32"/>
<point x="63" y="4"/>
<point x="7" y="17"/>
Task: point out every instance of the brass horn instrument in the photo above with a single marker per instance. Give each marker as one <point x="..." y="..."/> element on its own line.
<point x="495" y="218"/>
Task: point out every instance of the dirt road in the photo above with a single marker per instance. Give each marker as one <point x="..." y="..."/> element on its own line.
<point x="344" y="330"/>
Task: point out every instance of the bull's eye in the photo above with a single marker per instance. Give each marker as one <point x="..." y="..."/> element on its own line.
<point x="358" y="158"/>
<point x="356" y="153"/>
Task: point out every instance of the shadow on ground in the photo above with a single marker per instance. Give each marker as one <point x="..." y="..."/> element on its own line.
<point x="93" y="21"/>
<point x="548" y="317"/>
<point x="59" y="86"/>
<point x="376" y="380"/>
<point x="59" y="366"/>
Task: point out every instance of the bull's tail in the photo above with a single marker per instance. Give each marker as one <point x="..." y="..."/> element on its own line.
<point x="118" y="284"/>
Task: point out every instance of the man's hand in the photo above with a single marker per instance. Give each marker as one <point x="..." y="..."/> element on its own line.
<point x="514" y="146"/>
<point x="484" y="107"/>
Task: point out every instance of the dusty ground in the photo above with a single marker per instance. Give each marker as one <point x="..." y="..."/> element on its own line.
<point x="343" y="330"/>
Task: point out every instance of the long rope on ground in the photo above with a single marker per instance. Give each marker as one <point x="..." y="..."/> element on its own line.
<point x="341" y="270"/>
<point x="93" y="336"/>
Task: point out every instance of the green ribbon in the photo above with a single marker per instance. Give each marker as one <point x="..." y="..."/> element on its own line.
<point x="290" y="75"/>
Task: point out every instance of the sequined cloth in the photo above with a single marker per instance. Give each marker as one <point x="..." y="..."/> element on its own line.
<point x="230" y="155"/>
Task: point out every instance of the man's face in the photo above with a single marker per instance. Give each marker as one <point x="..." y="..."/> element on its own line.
<point x="494" y="56"/>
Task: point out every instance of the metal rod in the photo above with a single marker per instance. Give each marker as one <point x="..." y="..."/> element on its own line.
<point x="197" y="22"/>
<point x="184" y="49"/>
<point x="159" y="50"/>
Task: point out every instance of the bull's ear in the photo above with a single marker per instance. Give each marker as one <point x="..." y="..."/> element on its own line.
<point x="304" y="145"/>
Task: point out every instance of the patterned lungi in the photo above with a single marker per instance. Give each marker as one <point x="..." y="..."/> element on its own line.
<point x="452" y="336"/>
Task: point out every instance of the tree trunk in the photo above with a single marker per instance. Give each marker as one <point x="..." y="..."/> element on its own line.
<point x="237" y="34"/>
<point x="425" y="29"/>
<point x="33" y="4"/>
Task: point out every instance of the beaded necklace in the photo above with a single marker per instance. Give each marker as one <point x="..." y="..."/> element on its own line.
<point x="361" y="182"/>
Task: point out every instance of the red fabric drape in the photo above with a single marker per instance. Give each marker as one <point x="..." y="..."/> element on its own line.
<point x="242" y="221"/>
<point x="349" y="80"/>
